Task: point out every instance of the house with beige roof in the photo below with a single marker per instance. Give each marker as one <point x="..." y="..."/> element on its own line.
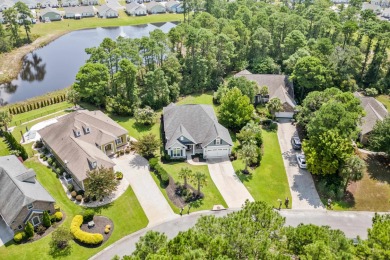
<point x="279" y="86"/>
<point x="375" y="111"/>
<point x="83" y="141"/>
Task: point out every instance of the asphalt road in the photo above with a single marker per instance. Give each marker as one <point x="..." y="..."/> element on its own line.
<point x="351" y="223"/>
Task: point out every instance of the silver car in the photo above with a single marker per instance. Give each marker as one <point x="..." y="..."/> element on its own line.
<point x="301" y="161"/>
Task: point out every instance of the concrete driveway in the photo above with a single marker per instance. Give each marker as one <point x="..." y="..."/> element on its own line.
<point x="303" y="192"/>
<point x="136" y="170"/>
<point x="6" y="233"/>
<point x="229" y="185"/>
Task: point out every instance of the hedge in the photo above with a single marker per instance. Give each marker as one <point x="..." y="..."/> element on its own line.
<point x="58" y="216"/>
<point x="82" y="236"/>
<point x="153" y="162"/>
<point x="19" y="237"/>
<point x="164" y="176"/>
<point x="15" y="145"/>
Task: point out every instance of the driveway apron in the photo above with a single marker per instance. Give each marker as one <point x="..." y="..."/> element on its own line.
<point x="303" y="192"/>
<point x="136" y="170"/>
<point x="229" y="185"/>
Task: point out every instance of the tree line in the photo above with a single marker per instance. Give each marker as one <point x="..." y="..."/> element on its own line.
<point x="15" y="18"/>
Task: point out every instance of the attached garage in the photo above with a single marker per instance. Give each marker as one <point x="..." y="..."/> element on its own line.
<point x="284" y="114"/>
<point x="216" y="152"/>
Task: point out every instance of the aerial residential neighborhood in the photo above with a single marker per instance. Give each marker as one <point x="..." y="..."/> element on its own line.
<point x="207" y="129"/>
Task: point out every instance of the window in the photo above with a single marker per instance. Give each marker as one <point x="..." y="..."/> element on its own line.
<point x="119" y="140"/>
<point x="20" y="227"/>
<point x="35" y="221"/>
<point x="30" y="206"/>
<point x="218" y="141"/>
<point x="181" y="138"/>
<point x="87" y="130"/>
<point x="176" y="152"/>
<point x="77" y="133"/>
<point x="94" y="165"/>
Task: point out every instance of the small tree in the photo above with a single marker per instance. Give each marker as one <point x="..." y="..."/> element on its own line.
<point x="248" y="154"/>
<point x="274" y="105"/>
<point x="145" y="116"/>
<point x="185" y="174"/>
<point x="149" y="244"/>
<point x="73" y="96"/>
<point x="263" y="91"/>
<point x="29" y="229"/>
<point x="200" y="179"/>
<point x="251" y="133"/>
<point x="147" y="145"/>
<point x="101" y="182"/>
<point x="379" y="139"/>
<point x="46" y="219"/>
<point x="60" y="239"/>
<point x="352" y="170"/>
<point x="5" y="119"/>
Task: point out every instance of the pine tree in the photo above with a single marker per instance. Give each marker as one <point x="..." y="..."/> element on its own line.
<point x="29" y="229"/>
<point x="46" y="219"/>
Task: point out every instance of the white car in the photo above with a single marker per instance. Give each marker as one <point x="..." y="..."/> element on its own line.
<point x="301" y="161"/>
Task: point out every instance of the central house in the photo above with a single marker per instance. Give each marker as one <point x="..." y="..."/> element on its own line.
<point x="194" y="129"/>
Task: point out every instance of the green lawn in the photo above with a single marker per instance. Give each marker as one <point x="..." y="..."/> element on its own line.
<point x="385" y="99"/>
<point x="42" y="29"/>
<point x="4" y="150"/>
<point x="137" y="130"/>
<point x="212" y="195"/>
<point x="268" y="182"/>
<point x="125" y="212"/>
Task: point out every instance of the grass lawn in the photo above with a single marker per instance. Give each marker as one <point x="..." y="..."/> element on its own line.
<point x="125" y="212"/>
<point x="4" y="150"/>
<point x="66" y="25"/>
<point x="372" y="193"/>
<point x="212" y="194"/>
<point x="137" y="130"/>
<point x="385" y="100"/>
<point x="268" y="182"/>
<point x="31" y="115"/>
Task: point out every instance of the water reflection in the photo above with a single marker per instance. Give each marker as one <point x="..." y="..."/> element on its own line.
<point x="56" y="65"/>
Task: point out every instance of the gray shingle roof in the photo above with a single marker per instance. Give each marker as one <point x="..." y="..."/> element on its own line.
<point x="374" y="111"/>
<point x="79" y="9"/>
<point x="18" y="188"/>
<point x="279" y="86"/>
<point x="197" y="123"/>
<point x="78" y="150"/>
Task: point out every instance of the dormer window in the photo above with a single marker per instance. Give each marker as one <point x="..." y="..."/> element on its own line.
<point x="181" y="138"/>
<point x="87" y="130"/>
<point x="218" y="141"/>
<point x="77" y="133"/>
<point x="30" y="206"/>
<point x="94" y="165"/>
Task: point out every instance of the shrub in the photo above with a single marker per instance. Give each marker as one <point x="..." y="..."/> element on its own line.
<point x="108" y="226"/>
<point x="153" y="162"/>
<point x="371" y="92"/>
<point x="79" y="197"/>
<point x="41" y="155"/>
<point x="82" y="236"/>
<point x="87" y="199"/>
<point x="122" y="152"/>
<point x="19" y="237"/>
<point x="119" y="175"/>
<point x="58" y="216"/>
<point x="106" y="230"/>
<point x="70" y="187"/>
<point x="54" y="164"/>
<point x="29" y="229"/>
<point x="41" y="229"/>
<point x="127" y="150"/>
<point x="273" y="127"/>
<point x="50" y="161"/>
<point x="46" y="219"/>
<point x="88" y="215"/>
<point x="44" y="158"/>
<point x="73" y="194"/>
<point x="56" y="207"/>
<point x="58" y="171"/>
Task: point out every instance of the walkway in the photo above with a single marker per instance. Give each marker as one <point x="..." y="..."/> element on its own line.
<point x="136" y="170"/>
<point x="303" y="192"/>
<point x="190" y="161"/>
<point x="229" y="185"/>
<point x="351" y="223"/>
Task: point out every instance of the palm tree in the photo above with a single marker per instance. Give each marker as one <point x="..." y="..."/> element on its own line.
<point x="352" y="170"/>
<point x="185" y="174"/>
<point x="5" y="119"/>
<point x="248" y="154"/>
<point x="274" y="105"/>
<point x="200" y="178"/>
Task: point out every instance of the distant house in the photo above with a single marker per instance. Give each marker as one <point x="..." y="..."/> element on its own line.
<point x="386" y="13"/>
<point x="194" y="129"/>
<point x="4" y="5"/>
<point x="171" y="6"/>
<point x="2" y="18"/>
<point x="180" y="8"/>
<point x="50" y="14"/>
<point x="32" y="4"/>
<point x="89" y="2"/>
<point x="69" y="3"/>
<point x="48" y="3"/>
<point x="375" y="8"/>
<point x="136" y="9"/>
<point x="107" y="11"/>
<point x="381" y="3"/>
<point x="279" y="86"/>
<point x="155" y="8"/>
<point x="79" y="12"/>
<point x="23" y="198"/>
<point x="375" y="111"/>
<point x="82" y="141"/>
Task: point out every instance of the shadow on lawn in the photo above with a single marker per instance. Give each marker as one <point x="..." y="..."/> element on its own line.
<point x="244" y="177"/>
<point x="378" y="168"/>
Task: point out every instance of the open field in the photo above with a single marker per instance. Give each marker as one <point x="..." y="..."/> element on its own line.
<point x="268" y="182"/>
<point x="125" y="212"/>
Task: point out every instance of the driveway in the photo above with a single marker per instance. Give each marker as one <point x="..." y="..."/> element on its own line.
<point x="303" y="192"/>
<point x="6" y="233"/>
<point x="136" y="170"/>
<point x="229" y="185"/>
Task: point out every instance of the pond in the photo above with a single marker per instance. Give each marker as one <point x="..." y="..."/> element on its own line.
<point x="55" y="66"/>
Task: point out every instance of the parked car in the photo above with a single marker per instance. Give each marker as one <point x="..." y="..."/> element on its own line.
<point x="296" y="143"/>
<point x="301" y="161"/>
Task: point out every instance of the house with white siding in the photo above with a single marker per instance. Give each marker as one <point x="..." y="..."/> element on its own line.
<point x="107" y="11"/>
<point x="155" y="8"/>
<point x="136" y="9"/>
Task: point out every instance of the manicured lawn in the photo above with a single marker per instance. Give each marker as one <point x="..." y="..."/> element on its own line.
<point x="268" y="182"/>
<point x="137" y="130"/>
<point x="123" y="20"/>
<point x="125" y="212"/>
<point x="36" y="113"/>
<point x="385" y="99"/>
<point x="4" y="150"/>
<point x="212" y="195"/>
<point x="206" y="98"/>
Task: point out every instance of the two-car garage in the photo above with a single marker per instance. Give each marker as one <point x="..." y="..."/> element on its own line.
<point x="216" y="152"/>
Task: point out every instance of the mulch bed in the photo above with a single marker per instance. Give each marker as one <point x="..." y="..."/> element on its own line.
<point x="171" y="192"/>
<point x="100" y="225"/>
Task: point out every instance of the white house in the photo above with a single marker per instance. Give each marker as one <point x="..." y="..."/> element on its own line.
<point x="136" y="9"/>
<point x="155" y="8"/>
<point x="107" y="11"/>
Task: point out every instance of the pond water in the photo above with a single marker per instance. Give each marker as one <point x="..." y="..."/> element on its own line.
<point x="55" y="66"/>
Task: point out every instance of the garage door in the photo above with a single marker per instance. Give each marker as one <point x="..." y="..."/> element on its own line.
<point x="284" y="114"/>
<point x="217" y="152"/>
